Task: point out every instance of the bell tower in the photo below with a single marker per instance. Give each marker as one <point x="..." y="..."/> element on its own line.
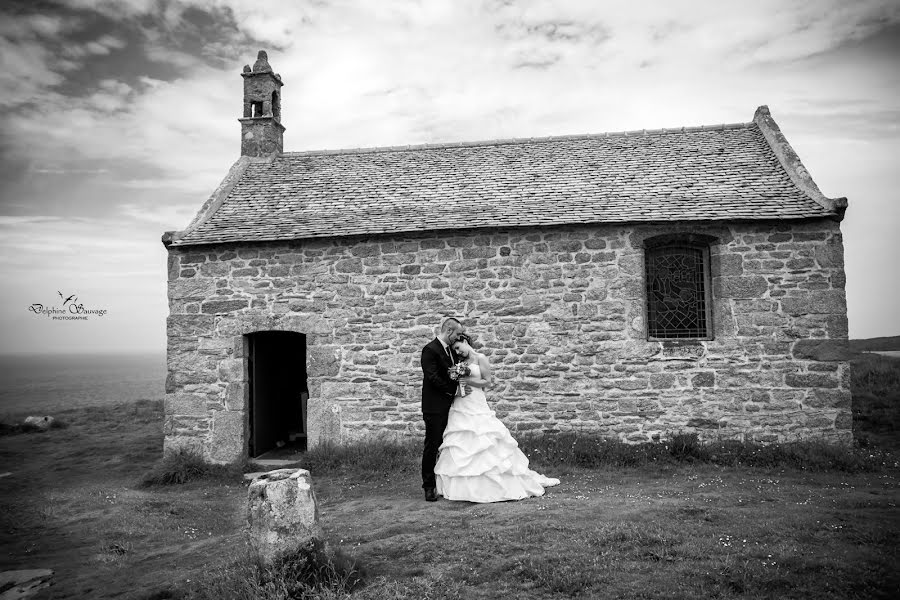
<point x="261" y="130"/>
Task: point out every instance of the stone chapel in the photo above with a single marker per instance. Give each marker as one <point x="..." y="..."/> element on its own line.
<point x="632" y="284"/>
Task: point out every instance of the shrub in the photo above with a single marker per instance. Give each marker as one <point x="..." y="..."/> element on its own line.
<point x="313" y="566"/>
<point x="184" y="465"/>
<point x="313" y="572"/>
<point x="592" y="451"/>
<point x="364" y="459"/>
<point x="686" y="447"/>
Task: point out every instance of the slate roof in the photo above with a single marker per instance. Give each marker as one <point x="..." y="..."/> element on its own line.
<point x="743" y="171"/>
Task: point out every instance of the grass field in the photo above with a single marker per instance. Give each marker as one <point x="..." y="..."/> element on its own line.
<point x="673" y="524"/>
<point x="875" y="381"/>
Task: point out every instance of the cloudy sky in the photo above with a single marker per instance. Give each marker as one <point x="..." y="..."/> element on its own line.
<point x="117" y="119"/>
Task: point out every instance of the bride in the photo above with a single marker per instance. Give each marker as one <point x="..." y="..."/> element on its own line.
<point x="479" y="460"/>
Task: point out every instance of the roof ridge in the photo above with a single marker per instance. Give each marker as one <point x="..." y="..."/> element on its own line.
<point x="529" y="140"/>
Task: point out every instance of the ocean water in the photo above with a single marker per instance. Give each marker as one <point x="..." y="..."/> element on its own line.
<point x="41" y="384"/>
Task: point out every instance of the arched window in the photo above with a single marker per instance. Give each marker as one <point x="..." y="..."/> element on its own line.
<point x="276" y="106"/>
<point x="678" y="298"/>
<point x="256" y="108"/>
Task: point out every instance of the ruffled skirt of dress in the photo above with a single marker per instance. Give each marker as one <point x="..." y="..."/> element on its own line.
<point x="480" y="461"/>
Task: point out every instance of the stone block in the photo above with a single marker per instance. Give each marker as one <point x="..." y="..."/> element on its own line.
<point x="843" y="421"/>
<point x="565" y="246"/>
<point x="595" y="243"/>
<point x="185" y="404"/>
<point x="627" y="288"/>
<point x="662" y="380"/>
<point x="217" y="343"/>
<point x="323" y="361"/>
<point x="173" y="265"/>
<point x="282" y="513"/>
<point x="625" y="384"/>
<point x="355" y="388"/>
<point x="810" y="380"/>
<point x="189" y="325"/>
<point x="479" y="252"/>
<point x="816" y="302"/>
<point x="822" y="349"/>
<point x="830" y="256"/>
<point x="232" y="370"/>
<point x="228" y="437"/>
<point x="837" y="326"/>
<point x="237" y="395"/>
<point x="702" y="423"/>
<point x="727" y="265"/>
<point x="193" y="257"/>
<point x="827" y="398"/>
<point x="777" y="238"/>
<point x="749" y="286"/>
<point x="800" y="264"/>
<point x="223" y="306"/>
<point x="215" y="269"/>
<point x="433" y="244"/>
<point x="307" y="323"/>
<point x="510" y="311"/>
<point x="704" y="379"/>
<point x="349" y="265"/>
<point x="324" y="422"/>
<point x="682" y="350"/>
<point x="604" y="257"/>
<point x="631" y="265"/>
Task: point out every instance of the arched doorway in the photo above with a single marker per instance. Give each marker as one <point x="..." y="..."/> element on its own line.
<point x="276" y="372"/>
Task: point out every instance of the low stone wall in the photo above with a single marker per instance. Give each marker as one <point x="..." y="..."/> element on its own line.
<point x="560" y="313"/>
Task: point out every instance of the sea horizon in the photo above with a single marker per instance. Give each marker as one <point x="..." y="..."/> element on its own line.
<point x="42" y="382"/>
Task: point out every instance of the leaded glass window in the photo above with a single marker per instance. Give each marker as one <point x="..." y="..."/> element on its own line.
<point x="677" y="292"/>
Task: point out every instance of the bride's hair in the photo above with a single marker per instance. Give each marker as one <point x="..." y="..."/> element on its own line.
<point x="464" y="337"/>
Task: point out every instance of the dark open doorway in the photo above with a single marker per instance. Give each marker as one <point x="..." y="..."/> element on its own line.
<point x="278" y="392"/>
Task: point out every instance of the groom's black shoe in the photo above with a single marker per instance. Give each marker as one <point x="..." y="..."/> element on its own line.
<point x="430" y="495"/>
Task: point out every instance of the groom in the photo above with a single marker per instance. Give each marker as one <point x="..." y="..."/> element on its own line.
<point x="437" y="395"/>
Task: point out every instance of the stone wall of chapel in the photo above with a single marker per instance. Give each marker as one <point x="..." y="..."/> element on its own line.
<point x="560" y="312"/>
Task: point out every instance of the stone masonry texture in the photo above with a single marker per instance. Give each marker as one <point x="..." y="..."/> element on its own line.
<point x="559" y="311"/>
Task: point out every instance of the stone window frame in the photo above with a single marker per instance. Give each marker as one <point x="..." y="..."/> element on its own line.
<point x="696" y="241"/>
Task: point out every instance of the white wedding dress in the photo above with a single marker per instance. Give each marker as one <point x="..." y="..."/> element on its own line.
<point x="479" y="460"/>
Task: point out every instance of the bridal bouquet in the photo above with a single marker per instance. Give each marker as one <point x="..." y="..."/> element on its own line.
<point x="458" y="371"/>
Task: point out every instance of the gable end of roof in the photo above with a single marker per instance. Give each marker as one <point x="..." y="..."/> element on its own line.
<point x="217" y="198"/>
<point x="792" y="165"/>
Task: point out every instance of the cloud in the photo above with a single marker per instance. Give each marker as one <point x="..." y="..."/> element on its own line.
<point x="463" y="71"/>
<point x="8" y="221"/>
<point x="25" y="72"/>
<point x="166" y="127"/>
<point x="165" y="217"/>
<point x="103" y="45"/>
<point x="138" y="120"/>
<point x="70" y="171"/>
<point x="36" y="26"/>
<point x="182" y="60"/>
<point x="43" y="246"/>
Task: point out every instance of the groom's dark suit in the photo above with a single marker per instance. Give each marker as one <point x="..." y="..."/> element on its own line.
<point x="437" y="395"/>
